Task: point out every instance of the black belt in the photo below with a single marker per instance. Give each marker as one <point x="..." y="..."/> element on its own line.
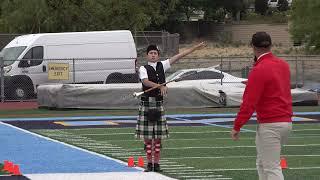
<point x="146" y="98"/>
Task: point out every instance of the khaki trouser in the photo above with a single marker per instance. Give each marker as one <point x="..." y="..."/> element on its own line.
<point x="269" y="139"/>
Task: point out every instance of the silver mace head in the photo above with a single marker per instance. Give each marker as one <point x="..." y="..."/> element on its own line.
<point x="137" y="94"/>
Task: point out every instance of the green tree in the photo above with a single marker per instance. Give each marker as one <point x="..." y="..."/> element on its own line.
<point x="33" y="16"/>
<point x="235" y="7"/>
<point x="261" y="6"/>
<point x="283" y="5"/>
<point x="19" y="16"/>
<point x="305" y="23"/>
<point x="215" y="9"/>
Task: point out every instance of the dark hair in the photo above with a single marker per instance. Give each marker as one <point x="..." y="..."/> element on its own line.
<point x="153" y="47"/>
<point x="261" y="40"/>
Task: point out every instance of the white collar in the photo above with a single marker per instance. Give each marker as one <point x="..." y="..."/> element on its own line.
<point x="263" y="55"/>
<point x="152" y="63"/>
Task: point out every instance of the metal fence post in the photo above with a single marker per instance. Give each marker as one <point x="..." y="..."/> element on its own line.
<point x="303" y="72"/>
<point x="2" y="78"/>
<point x="221" y="70"/>
<point x="73" y="71"/>
<point x="163" y="43"/>
<point x="297" y="74"/>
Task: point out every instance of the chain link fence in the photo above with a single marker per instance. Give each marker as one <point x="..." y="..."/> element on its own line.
<point x="305" y="70"/>
<point x="19" y="79"/>
<point x="166" y="42"/>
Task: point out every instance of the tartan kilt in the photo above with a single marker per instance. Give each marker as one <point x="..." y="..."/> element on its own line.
<point x="151" y="130"/>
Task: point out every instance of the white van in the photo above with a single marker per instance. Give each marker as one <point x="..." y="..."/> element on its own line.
<point x="87" y="57"/>
<point x="274" y="3"/>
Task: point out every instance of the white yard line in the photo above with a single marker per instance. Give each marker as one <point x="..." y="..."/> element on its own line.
<point x="177" y="168"/>
<point x="209" y="178"/>
<point x="104" y="176"/>
<point x="197" y="139"/>
<point x="232" y="147"/>
<point x="290" y="137"/>
<point x="307" y="135"/>
<point x="185" y="132"/>
<point x="186" y="173"/>
<point x="182" y="132"/>
<point x="173" y="165"/>
<point x="233" y="157"/>
<point x="298" y="130"/>
<point x="204" y="176"/>
<point x="247" y="169"/>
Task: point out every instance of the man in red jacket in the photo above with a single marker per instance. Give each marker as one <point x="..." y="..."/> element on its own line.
<point x="268" y="93"/>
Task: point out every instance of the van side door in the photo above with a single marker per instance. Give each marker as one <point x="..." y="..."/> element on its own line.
<point x="32" y="65"/>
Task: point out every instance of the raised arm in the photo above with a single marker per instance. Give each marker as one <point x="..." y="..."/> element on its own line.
<point x="175" y="58"/>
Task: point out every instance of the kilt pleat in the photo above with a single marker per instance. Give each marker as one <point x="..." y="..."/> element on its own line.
<point x="151" y="130"/>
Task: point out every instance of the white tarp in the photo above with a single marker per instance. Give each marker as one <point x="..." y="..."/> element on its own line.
<point x="119" y="96"/>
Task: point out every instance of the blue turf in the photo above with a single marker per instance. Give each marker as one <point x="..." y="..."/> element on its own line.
<point x="38" y="155"/>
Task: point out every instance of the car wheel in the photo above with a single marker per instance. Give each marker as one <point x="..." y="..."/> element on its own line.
<point x="115" y="78"/>
<point x="19" y="92"/>
<point x="222" y="98"/>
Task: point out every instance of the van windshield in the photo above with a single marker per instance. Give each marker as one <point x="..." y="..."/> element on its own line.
<point x="11" y="54"/>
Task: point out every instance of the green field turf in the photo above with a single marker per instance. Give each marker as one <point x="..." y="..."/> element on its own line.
<point x="203" y="152"/>
<point x="124" y="112"/>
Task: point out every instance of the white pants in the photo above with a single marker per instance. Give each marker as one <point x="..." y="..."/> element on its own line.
<point x="269" y="139"/>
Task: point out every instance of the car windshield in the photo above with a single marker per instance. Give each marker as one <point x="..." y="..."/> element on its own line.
<point x="11" y="54"/>
<point x="173" y="75"/>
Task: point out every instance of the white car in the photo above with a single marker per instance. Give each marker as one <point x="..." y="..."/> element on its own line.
<point x="210" y="75"/>
<point x="274" y="3"/>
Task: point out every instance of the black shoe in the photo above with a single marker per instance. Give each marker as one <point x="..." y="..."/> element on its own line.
<point x="149" y="167"/>
<point x="156" y="168"/>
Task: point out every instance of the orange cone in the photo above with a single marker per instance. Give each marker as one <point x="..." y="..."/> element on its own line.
<point x="283" y="163"/>
<point x="140" y="161"/>
<point x="5" y="165"/>
<point x="130" y="161"/>
<point x="9" y="167"/>
<point x="16" y="170"/>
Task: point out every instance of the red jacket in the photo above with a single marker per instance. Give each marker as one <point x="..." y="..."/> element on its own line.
<point x="267" y="92"/>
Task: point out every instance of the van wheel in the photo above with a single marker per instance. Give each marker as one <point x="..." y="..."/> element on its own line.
<point x="19" y="92"/>
<point x="115" y="78"/>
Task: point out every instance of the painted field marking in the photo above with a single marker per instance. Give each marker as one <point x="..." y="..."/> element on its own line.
<point x="68" y="145"/>
<point x="220" y="115"/>
<point x="299" y="130"/>
<point x="195" y="173"/>
<point x="175" y="132"/>
<point x="177" y="168"/>
<point x="182" y="132"/>
<point x="209" y="178"/>
<point x="199" y="176"/>
<point x="173" y="165"/>
<point x="234" y="157"/>
<point x="249" y="169"/>
<point x="307" y="134"/>
<point x="197" y="139"/>
<point x="290" y="137"/>
<point x="211" y="122"/>
<point x="232" y="147"/>
<point x="168" y="162"/>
